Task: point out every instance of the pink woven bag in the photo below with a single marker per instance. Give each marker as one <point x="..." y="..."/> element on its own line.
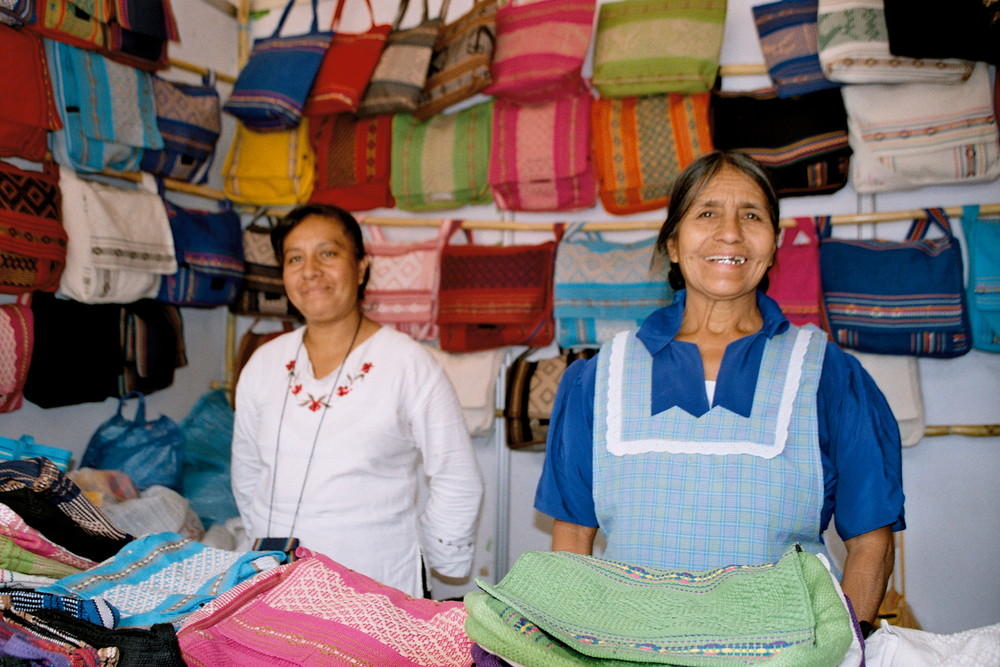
<point x="540" y="49"/>
<point x="402" y="291"/>
<point x="17" y="337"/>
<point x="317" y="612"/>
<point x="794" y="278"/>
<point x="540" y="155"/>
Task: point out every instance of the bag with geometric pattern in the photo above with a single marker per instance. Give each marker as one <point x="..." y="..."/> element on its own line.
<point x="32" y="239"/>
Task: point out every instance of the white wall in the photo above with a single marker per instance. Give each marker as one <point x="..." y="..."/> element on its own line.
<point x="953" y="509"/>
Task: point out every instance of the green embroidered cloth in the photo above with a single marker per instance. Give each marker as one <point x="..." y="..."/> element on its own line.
<point x="18" y="559"/>
<point x="556" y="608"/>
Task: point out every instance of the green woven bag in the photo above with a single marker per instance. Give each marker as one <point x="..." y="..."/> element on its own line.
<point x="556" y="608"/>
<point x="442" y="162"/>
<point x="649" y="47"/>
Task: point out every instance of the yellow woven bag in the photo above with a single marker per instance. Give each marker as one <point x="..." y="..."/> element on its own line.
<point x="270" y="168"/>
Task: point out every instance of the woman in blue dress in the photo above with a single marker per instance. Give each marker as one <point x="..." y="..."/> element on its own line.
<point x="717" y="433"/>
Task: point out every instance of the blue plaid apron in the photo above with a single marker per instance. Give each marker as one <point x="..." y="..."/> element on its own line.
<point x="676" y="491"/>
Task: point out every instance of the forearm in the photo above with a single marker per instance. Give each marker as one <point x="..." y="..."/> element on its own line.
<point x="869" y="563"/>
<point x="573" y="537"/>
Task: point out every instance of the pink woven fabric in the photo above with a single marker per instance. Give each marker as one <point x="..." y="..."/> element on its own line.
<point x="402" y="291"/>
<point x="317" y="612"/>
<point x="794" y="278"/>
<point x="540" y="50"/>
<point x="29" y="539"/>
<point x="540" y="155"/>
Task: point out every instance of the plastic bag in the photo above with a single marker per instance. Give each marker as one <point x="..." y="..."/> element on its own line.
<point x="150" y="452"/>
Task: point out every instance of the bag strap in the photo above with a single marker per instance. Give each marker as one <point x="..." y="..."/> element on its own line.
<point x="823" y="227"/>
<point x="339" y="11"/>
<point x="140" y="412"/>
<point x="443" y="14"/>
<point x="401" y="13"/>
<point x="920" y="226"/>
<point x="802" y="226"/>
<point x="454" y="225"/>
<point x="970" y="215"/>
<point x="314" y="26"/>
<point x="576" y="229"/>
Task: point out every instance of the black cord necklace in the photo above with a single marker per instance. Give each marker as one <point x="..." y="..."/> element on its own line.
<point x="319" y="426"/>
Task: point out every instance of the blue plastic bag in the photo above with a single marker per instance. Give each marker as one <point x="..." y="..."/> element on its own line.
<point x="150" y="452"/>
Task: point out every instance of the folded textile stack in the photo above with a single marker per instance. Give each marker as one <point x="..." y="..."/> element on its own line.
<point x="557" y="608"/>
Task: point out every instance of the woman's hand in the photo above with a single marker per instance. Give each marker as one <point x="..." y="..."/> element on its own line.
<point x="573" y="537"/>
<point x="870" y="559"/>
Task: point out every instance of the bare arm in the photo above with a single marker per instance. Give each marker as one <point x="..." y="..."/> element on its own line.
<point x="573" y="537"/>
<point x="869" y="563"/>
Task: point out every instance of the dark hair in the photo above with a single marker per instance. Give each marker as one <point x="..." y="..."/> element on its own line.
<point x="689" y="185"/>
<point x="292" y="219"/>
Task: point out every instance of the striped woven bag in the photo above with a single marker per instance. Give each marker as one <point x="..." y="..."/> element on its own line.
<point x="641" y="144"/>
<point x="803" y="140"/>
<point x="897" y="297"/>
<point x="442" y="162"/>
<point x="647" y="47"/>
<point x="539" y="157"/>
<point x="540" y="50"/>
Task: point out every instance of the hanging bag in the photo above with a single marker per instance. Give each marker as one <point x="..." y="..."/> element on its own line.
<point x="897" y="297"/>
<point x="530" y="394"/>
<point x="442" y="162"/>
<point x="139" y="33"/>
<point x="603" y="287"/>
<point x="540" y="155"/>
<point x="982" y="238"/>
<point x="352" y="161"/>
<point x="540" y="49"/>
<point x="270" y="168"/>
<point x="788" y="40"/>
<point x="121" y="243"/>
<point x="263" y="291"/>
<point x="460" y="66"/>
<point x="149" y="452"/>
<point x="209" y="247"/>
<point x="27" y="106"/>
<point x="272" y="87"/>
<point x="802" y="141"/>
<point x="108" y="111"/>
<point x="494" y="296"/>
<point x="402" y="291"/>
<point x="25" y="447"/>
<point x="853" y="41"/>
<point x="641" y="144"/>
<point x="190" y="122"/>
<point x="648" y="47"/>
<point x="32" y="238"/>
<point x="17" y="340"/>
<point x="402" y="67"/>
<point x="794" y="278"/>
<point x="347" y="66"/>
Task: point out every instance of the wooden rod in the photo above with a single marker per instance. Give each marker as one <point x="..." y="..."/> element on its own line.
<point x="171" y="184"/>
<point x="632" y="225"/>
<point x="198" y="69"/>
<point x="975" y="430"/>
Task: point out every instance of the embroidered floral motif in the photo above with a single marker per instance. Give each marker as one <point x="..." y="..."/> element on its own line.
<point x="314" y="403"/>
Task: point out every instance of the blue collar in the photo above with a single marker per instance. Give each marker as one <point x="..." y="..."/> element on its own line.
<point x="678" y="374"/>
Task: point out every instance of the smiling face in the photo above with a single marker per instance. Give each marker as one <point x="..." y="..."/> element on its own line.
<point x="321" y="270"/>
<point x="725" y="241"/>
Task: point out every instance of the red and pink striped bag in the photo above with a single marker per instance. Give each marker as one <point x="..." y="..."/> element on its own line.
<point x="540" y="156"/>
<point x="540" y="49"/>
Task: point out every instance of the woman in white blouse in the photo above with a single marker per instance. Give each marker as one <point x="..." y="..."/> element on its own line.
<point x="338" y="421"/>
